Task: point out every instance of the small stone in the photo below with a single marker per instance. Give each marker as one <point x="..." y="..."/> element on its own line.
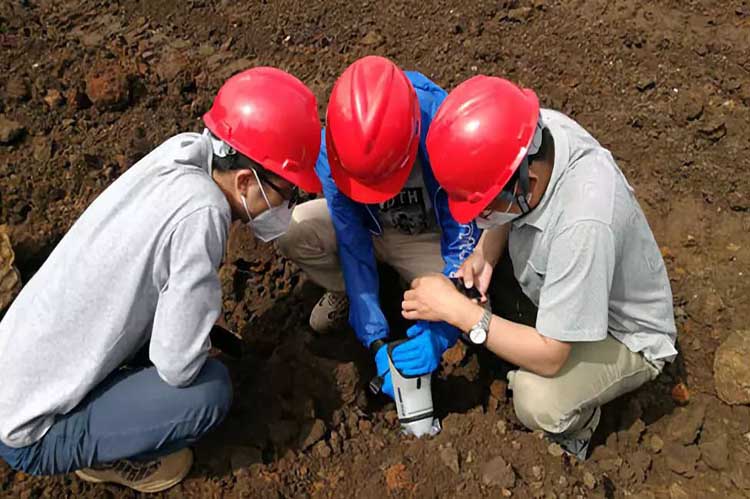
<point x="469" y="457"/>
<point x="516" y="445"/>
<point x="364" y="426"/>
<point x="10" y="130"/>
<point x="53" y="98"/>
<point x="732" y="370"/>
<point x="686" y="424"/>
<point x="506" y="493"/>
<point x="537" y="472"/>
<point x="589" y="480"/>
<point x="716" y="453"/>
<point x="563" y="482"/>
<point x="502" y="427"/>
<point x="391" y="417"/>
<point x="498" y="473"/>
<point x="656" y="444"/>
<point x="555" y="450"/>
<point x="682" y="460"/>
<point x="108" y="87"/>
<point x="335" y="441"/>
<point x="311" y="433"/>
<point x="372" y="38"/>
<point x="449" y="456"/>
<point x="677" y="492"/>
<point x="321" y="450"/>
<point x="17" y="89"/>
<point x="397" y="477"/>
<point x="681" y="394"/>
<point x="10" y="279"/>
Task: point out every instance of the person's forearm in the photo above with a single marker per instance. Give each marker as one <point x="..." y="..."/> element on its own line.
<point x="518" y="344"/>
<point x="493" y="242"/>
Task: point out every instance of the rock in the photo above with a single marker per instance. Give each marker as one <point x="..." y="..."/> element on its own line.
<point x="681" y="459"/>
<point x="108" y="87"/>
<point x="716" y="452"/>
<point x="686" y="424"/>
<point x="677" y="492"/>
<point x="397" y="477"/>
<point x="680" y="394"/>
<point x="372" y="38"/>
<point x="311" y="433"/>
<point x="555" y="450"/>
<point x="537" y="472"/>
<point x="449" y="456"/>
<point x="77" y="98"/>
<point x="17" y="89"/>
<point x="321" y="450"/>
<point x="455" y="355"/>
<point x="502" y="427"/>
<point x="347" y="380"/>
<point x="244" y="457"/>
<point x="10" y="279"/>
<point x="589" y="480"/>
<point x="53" y="98"/>
<point x="391" y="417"/>
<point x="498" y="473"/>
<point x="10" y="130"/>
<point x="497" y="389"/>
<point x="656" y="444"/>
<point x="732" y="369"/>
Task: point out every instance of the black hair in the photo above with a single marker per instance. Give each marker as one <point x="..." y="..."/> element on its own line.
<point x="238" y="161"/>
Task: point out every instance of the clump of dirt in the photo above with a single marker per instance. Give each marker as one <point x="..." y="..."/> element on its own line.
<point x="89" y="88"/>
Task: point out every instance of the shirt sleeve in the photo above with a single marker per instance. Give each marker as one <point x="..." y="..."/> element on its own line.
<point x="574" y="299"/>
<point x="357" y="257"/>
<point x="190" y="302"/>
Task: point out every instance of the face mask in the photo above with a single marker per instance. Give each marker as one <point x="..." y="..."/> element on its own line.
<point x="273" y="222"/>
<point x="498" y="218"/>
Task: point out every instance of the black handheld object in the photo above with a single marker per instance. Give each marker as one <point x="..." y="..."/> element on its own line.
<point x="226" y="341"/>
<point x="471" y="293"/>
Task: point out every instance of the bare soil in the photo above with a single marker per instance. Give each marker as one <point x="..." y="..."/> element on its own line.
<point x="90" y="87"/>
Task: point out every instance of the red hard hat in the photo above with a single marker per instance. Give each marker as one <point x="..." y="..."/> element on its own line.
<point x="373" y="130"/>
<point x="272" y="118"/>
<point x="477" y="140"/>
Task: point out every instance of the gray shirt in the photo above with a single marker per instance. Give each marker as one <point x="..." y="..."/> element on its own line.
<point x="140" y="265"/>
<point x="586" y="255"/>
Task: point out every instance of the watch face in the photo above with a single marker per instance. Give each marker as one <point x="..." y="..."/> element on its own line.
<point x="478" y="336"/>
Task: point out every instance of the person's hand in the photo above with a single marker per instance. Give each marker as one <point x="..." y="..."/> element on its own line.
<point x="421" y="354"/>
<point x="384" y="370"/>
<point x="434" y="298"/>
<point x="476" y="271"/>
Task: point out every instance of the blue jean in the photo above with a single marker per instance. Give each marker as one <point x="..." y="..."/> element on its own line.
<point x="131" y="414"/>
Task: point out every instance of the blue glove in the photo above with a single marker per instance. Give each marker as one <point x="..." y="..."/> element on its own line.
<point x="384" y="371"/>
<point x="421" y="354"/>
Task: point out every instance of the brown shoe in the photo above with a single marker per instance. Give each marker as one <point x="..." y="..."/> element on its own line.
<point x="148" y="476"/>
<point x="330" y="313"/>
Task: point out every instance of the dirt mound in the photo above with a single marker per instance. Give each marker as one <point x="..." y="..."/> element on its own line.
<point x="88" y="88"/>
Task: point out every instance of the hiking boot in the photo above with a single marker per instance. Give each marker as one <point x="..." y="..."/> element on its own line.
<point x="577" y="445"/>
<point x="330" y="313"/>
<point x="147" y="476"/>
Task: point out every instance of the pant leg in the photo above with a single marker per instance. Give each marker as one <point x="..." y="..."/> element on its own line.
<point x="310" y="242"/>
<point x="132" y="414"/>
<point x="411" y="255"/>
<point x="596" y="373"/>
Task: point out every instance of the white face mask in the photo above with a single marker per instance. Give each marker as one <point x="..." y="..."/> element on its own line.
<point x="273" y="222"/>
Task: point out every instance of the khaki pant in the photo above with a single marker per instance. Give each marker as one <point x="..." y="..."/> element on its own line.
<point x="596" y="373"/>
<point x="311" y="243"/>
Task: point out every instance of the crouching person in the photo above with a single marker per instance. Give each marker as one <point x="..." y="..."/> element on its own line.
<point x="138" y="270"/>
<point x="581" y="248"/>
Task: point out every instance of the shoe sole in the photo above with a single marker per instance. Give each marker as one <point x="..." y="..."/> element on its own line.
<point x="146" y="489"/>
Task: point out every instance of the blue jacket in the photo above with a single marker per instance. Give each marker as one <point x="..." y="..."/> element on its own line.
<point x="356" y="223"/>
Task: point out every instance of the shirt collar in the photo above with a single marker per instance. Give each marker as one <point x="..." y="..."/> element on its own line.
<point x="539" y="215"/>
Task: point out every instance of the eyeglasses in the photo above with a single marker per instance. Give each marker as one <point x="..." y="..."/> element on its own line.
<point x="507" y="195"/>
<point x="292" y="196"/>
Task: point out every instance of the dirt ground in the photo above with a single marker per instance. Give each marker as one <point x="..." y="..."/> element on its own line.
<point x="90" y="87"/>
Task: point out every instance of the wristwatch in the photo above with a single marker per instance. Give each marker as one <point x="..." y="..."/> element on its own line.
<point x="478" y="333"/>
